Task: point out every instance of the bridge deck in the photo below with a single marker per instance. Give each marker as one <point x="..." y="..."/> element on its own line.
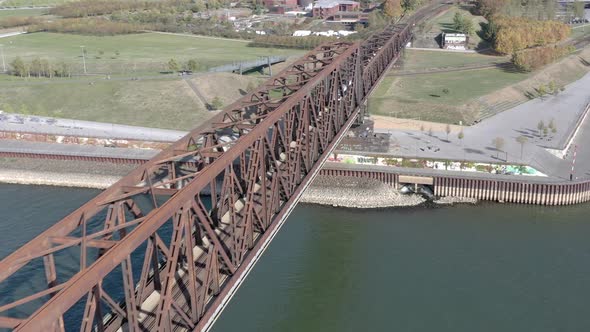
<point x="252" y="161"/>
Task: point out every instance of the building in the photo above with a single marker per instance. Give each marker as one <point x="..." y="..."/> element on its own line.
<point x="328" y="8"/>
<point x="280" y="3"/>
<point x="454" y="41"/>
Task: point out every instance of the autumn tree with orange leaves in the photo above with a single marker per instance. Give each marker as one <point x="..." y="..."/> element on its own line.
<point x="392" y="8"/>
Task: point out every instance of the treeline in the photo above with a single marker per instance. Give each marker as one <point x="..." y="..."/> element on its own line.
<point x="87" y="8"/>
<point x="526" y="30"/>
<point x="533" y="9"/>
<point x="18" y="21"/>
<point x="39" y="68"/>
<point x="511" y="35"/>
<point x="305" y="43"/>
<point x="535" y="58"/>
<point x="92" y="26"/>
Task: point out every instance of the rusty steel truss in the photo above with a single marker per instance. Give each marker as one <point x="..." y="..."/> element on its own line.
<point x="178" y="234"/>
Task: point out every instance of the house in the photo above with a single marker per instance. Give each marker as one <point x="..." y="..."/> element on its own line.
<point x="328" y="8"/>
<point x="454" y="41"/>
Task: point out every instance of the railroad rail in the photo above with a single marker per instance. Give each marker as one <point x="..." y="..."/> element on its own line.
<point x="198" y="215"/>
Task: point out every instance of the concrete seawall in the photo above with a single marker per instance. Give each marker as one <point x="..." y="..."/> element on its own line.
<point x="521" y="191"/>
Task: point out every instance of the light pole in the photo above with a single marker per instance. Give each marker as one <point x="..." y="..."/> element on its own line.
<point x="3" y="60"/>
<point x="84" y="58"/>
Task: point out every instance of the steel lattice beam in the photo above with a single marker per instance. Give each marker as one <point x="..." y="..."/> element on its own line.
<point x="223" y="191"/>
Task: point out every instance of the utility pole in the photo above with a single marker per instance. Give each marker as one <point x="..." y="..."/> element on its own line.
<point x="3" y="60"/>
<point x="84" y="58"/>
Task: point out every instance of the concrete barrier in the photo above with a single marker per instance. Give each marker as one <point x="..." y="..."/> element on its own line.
<point x="501" y="190"/>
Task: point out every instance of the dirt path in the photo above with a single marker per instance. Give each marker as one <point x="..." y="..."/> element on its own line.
<point x="197" y="36"/>
<point x="389" y="123"/>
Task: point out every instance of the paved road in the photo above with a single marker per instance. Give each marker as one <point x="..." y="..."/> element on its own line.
<point x="68" y="127"/>
<point x="565" y="109"/>
<point x="75" y="150"/>
<point x="11" y="34"/>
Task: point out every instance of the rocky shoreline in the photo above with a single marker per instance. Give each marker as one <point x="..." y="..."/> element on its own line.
<point x="360" y="193"/>
<point x="350" y="192"/>
<point x="80" y="174"/>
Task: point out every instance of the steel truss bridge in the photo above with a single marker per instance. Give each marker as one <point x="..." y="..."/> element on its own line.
<point x="166" y="247"/>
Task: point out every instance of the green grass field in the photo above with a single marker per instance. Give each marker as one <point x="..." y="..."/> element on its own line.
<point x="419" y="60"/>
<point x="423" y="97"/>
<point x="137" y="53"/>
<point x="580" y="32"/>
<point x="153" y="103"/>
<point x="30" y="3"/>
<point x="21" y="13"/>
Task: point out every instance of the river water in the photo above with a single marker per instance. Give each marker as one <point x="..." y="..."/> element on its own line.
<point x="487" y="267"/>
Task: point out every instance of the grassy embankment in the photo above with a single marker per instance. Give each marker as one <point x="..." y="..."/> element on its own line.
<point x="21" y="12"/>
<point x="132" y="54"/>
<point x="153" y="100"/>
<point x="32" y="3"/>
<point x="470" y="94"/>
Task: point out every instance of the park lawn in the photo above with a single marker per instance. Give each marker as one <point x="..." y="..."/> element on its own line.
<point x="21" y="12"/>
<point x="580" y="32"/>
<point x="28" y="3"/>
<point x="422" y="97"/>
<point x="418" y="59"/>
<point x="135" y="53"/>
<point x="165" y="103"/>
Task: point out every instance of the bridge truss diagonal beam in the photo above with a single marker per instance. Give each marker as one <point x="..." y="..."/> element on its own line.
<point x="198" y="215"/>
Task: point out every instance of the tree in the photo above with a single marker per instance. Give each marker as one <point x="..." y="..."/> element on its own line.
<point x="498" y="143"/>
<point x="460" y="136"/>
<point x="551" y="124"/>
<point x="19" y="67"/>
<point x="540" y="126"/>
<point x="392" y="8"/>
<point x="553" y="88"/>
<point x="217" y="103"/>
<point x="579" y="11"/>
<point x="462" y="24"/>
<point x="173" y="65"/>
<point x="408" y="5"/>
<point x="35" y="67"/>
<point x="522" y="140"/>
<point x="489" y="8"/>
<point x="192" y="65"/>
<point x="448" y="130"/>
<point x="422" y="128"/>
<point x="545" y="132"/>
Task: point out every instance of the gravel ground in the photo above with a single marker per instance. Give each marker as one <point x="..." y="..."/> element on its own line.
<point x="83" y="174"/>
<point x="356" y="193"/>
<point x="65" y="166"/>
<point x="455" y="200"/>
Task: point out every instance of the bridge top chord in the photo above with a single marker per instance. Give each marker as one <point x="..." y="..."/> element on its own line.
<point x="198" y="215"/>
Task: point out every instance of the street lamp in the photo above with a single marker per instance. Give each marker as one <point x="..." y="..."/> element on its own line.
<point x="84" y="58"/>
<point x="3" y="60"/>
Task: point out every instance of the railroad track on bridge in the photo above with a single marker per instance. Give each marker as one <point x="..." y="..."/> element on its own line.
<point x="199" y="214"/>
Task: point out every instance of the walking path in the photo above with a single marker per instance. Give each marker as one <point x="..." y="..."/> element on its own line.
<point x="67" y="127"/>
<point x="12" y="34"/>
<point x="564" y="109"/>
<point x="198" y="36"/>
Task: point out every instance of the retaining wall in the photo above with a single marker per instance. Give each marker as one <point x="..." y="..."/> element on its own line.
<point x="517" y="191"/>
